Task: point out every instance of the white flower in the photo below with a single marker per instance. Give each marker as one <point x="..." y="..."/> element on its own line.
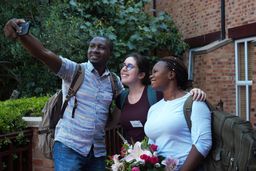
<point x="155" y="153"/>
<point x="117" y="166"/>
<point x="170" y="163"/>
<point x="135" y="153"/>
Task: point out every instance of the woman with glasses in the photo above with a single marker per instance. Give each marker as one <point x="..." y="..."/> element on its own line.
<point x="134" y="102"/>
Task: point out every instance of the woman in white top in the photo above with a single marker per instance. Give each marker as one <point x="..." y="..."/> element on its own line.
<point x="166" y="125"/>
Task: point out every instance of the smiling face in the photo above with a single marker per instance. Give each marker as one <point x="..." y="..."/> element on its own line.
<point x="99" y="51"/>
<point x="160" y="77"/>
<point x="130" y="72"/>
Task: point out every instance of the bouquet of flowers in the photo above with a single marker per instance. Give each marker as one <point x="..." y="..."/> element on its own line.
<point x="140" y="156"/>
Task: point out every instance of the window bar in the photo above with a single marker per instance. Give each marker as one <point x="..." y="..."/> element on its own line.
<point x="246" y="79"/>
<point x="237" y="88"/>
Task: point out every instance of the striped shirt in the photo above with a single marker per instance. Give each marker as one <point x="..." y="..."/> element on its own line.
<point x="87" y="128"/>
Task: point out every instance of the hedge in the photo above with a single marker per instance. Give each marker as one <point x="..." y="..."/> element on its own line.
<point x="12" y="111"/>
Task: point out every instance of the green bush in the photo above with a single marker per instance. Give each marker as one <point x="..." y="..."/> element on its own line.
<point x="7" y="79"/>
<point x="11" y="114"/>
<point x="65" y="26"/>
<point x="12" y="111"/>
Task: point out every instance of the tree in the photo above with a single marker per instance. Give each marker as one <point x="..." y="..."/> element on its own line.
<point x="66" y="26"/>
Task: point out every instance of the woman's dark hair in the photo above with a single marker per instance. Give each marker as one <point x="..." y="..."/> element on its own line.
<point x="176" y="65"/>
<point x="143" y="65"/>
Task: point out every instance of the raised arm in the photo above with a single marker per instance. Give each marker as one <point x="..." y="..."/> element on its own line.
<point x="32" y="45"/>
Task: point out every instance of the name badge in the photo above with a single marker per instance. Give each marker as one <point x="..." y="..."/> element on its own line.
<point x="136" y="124"/>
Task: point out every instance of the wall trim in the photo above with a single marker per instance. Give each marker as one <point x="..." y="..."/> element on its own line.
<point x="32" y="121"/>
<point x="203" y="40"/>
<point x="244" y="31"/>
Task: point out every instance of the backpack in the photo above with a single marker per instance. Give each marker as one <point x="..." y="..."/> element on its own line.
<point x="53" y="111"/>
<point x="152" y="97"/>
<point x="233" y="141"/>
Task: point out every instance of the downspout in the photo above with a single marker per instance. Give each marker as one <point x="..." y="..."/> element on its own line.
<point x="223" y="29"/>
<point x="222" y="37"/>
<point x="154" y="14"/>
<point x="154" y="8"/>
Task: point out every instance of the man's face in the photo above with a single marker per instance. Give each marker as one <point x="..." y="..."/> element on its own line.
<point x="99" y="51"/>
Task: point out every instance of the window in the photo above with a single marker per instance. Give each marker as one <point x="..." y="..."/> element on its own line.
<point x="244" y="53"/>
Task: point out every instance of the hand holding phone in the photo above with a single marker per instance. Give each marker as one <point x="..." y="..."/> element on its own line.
<point x="24" y="28"/>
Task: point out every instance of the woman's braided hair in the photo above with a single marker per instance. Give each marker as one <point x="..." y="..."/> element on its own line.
<point x="176" y="65"/>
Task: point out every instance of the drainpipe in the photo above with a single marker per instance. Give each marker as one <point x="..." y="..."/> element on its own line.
<point x="154" y="14"/>
<point x="223" y="29"/>
<point x="154" y="8"/>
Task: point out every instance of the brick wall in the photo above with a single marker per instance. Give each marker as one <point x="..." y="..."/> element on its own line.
<point x="193" y="18"/>
<point x="240" y="12"/>
<point x="253" y="93"/>
<point x="199" y="17"/>
<point x="40" y="163"/>
<point x="214" y="72"/>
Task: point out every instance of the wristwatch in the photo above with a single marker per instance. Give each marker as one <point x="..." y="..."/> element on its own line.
<point x="24" y="28"/>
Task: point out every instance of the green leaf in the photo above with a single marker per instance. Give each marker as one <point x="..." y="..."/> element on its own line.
<point x="66" y="26"/>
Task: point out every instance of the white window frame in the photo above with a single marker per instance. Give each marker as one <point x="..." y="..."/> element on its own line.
<point x="247" y="83"/>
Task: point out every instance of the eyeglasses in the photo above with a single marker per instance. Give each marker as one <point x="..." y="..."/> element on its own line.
<point x="128" y="66"/>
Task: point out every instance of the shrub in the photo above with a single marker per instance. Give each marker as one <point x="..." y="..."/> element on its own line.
<point x="12" y="111"/>
<point x="11" y="114"/>
<point x="65" y="26"/>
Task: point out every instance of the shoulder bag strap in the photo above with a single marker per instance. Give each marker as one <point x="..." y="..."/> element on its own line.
<point x="113" y="79"/>
<point x="152" y="97"/>
<point x="187" y="110"/>
<point x="123" y="96"/>
<point x="74" y="86"/>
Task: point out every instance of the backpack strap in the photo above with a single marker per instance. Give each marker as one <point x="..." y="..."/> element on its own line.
<point x="74" y="86"/>
<point x="152" y="97"/>
<point x="122" y="98"/>
<point x="187" y="110"/>
<point x="114" y="80"/>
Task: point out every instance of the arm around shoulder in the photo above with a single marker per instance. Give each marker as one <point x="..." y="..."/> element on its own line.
<point x="198" y="94"/>
<point x="114" y="118"/>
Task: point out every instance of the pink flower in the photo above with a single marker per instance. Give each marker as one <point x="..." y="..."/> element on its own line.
<point x="170" y="163"/>
<point x="135" y="169"/>
<point x="153" y="147"/>
<point x="145" y="157"/>
<point x="123" y="152"/>
<point x="140" y="156"/>
<point x="153" y="160"/>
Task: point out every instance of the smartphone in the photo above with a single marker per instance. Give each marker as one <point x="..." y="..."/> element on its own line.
<point x="24" y="27"/>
